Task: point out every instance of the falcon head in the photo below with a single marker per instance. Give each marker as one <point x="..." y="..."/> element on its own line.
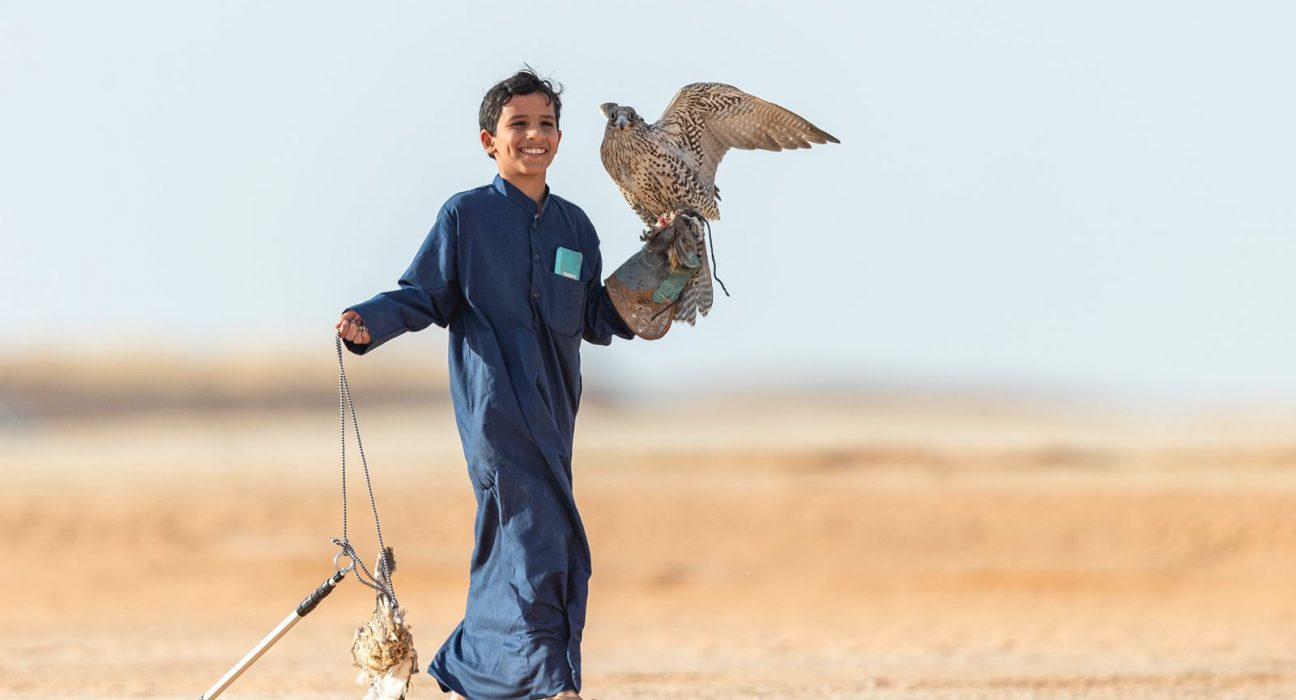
<point x="620" y="116"/>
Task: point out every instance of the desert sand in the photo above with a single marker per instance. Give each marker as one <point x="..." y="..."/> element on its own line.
<point x="159" y="520"/>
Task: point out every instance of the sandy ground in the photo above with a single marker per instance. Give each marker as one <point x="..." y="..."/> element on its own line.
<point x="807" y="548"/>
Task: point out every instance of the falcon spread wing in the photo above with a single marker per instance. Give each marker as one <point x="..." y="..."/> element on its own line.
<point x="670" y="165"/>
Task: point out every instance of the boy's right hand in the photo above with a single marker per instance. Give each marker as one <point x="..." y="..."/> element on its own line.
<point x="352" y="328"/>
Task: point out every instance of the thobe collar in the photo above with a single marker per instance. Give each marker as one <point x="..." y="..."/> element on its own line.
<point x="507" y="189"/>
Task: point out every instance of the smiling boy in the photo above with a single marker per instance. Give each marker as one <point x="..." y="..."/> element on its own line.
<point x="514" y="273"/>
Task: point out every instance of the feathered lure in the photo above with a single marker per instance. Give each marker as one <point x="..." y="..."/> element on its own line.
<point x="383" y="649"/>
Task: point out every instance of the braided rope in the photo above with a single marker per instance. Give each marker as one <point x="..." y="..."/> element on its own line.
<point x="383" y="583"/>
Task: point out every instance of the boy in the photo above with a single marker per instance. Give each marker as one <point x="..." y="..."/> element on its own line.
<point x="514" y="273"/>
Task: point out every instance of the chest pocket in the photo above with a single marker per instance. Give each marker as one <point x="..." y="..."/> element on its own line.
<point x="564" y="303"/>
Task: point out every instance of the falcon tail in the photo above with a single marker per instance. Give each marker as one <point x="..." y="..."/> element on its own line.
<point x="698" y="294"/>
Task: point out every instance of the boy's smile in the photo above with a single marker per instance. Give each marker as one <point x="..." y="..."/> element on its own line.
<point x="525" y="140"/>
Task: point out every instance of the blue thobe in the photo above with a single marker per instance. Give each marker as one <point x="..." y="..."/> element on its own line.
<point x="487" y="272"/>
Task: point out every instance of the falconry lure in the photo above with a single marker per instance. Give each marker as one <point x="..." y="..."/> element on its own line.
<point x="668" y="167"/>
<point x="383" y="649"/>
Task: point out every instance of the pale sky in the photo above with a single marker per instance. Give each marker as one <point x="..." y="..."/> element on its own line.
<point x="1094" y="198"/>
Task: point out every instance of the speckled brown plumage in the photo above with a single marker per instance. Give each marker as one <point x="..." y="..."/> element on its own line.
<point x="671" y="164"/>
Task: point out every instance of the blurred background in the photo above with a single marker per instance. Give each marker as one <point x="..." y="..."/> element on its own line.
<point x="1001" y="404"/>
<point x="1082" y="201"/>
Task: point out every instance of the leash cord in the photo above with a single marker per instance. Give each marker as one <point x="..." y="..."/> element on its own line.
<point x="713" y="261"/>
<point x="383" y="582"/>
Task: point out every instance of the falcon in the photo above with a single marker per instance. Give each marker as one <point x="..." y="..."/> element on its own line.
<point x="669" y="166"/>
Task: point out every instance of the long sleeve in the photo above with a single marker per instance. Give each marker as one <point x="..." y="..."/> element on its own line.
<point x="601" y="318"/>
<point x="428" y="291"/>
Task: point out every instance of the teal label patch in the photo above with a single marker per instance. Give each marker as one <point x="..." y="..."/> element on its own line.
<point x="567" y="263"/>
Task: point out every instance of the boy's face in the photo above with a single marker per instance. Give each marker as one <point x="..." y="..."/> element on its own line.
<point x="526" y="137"/>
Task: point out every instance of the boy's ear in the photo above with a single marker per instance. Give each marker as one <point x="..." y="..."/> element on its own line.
<point x="488" y="143"/>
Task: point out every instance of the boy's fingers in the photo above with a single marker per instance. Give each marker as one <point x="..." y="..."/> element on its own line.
<point x="356" y="333"/>
<point x="352" y="329"/>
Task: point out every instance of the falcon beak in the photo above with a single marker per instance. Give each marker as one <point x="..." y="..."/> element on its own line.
<point x="621" y="121"/>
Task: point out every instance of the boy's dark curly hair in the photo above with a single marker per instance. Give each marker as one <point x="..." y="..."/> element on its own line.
<point x="524" y="82"/>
